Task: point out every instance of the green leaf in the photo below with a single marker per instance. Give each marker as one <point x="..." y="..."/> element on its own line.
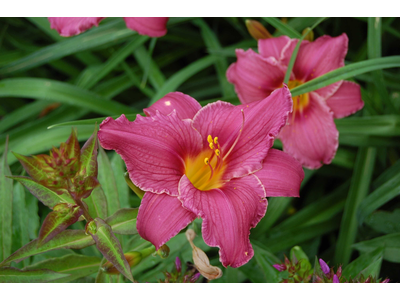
<point x="97" y="203"/>
<point x="20" y="220"/>
<point x="88" y="157"/>
<point x="384" y="221"/>
<point x="119" y="169"/>
<point x="221" y="64"/>
<point x="265" y="260"/>
<point x="387" y="125"/>
<point x="13" y="275"/>
<point x="114" y="31"/>
<point x="285" y="29"/>
<point x="57" y="221"/>
<point x="110" y="247"/>
<point x="6" y="201"/>
<point x="76" y="266"/>
<point x="156" y="77"/>
<point x="389" y="242"/>
<point x="180" y="77"/>
<point x="107" y="181"/>
<point x="57" y="91"/>
<point x="124" y="221"/>
<point x="347" y="72"/>
<point x="45" y="195"/>
<point x="359" y="188"/>
<point x="362" y="263"/>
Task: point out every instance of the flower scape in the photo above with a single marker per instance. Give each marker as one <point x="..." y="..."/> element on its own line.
<point x="290" y="151"/>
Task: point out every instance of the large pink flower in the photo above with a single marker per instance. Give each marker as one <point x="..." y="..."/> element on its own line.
<point x="213" y="162"/>
<point x="311" y="136"/>
<point x="151" y="26"/>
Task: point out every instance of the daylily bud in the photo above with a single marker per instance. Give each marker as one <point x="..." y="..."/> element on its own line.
<point x="309" y="36"/>
<point x="163" y="252"/>
<point x="257" y="30"/>
<point x="201" y="261"/>
<point x="325" y="268"/>
<point x="133" y="259"/>
<point x="133" y="187"/>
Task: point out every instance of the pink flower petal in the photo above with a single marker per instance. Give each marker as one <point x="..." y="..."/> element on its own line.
<point x="281" y="174"/>
<point x="73" y="26"/>
<point x="254" y="76"/>
<point x="161" y="217"/>
<point x="186" y="107"/>
<point x="319" y="57"/>
<point x="280" y="48"/>
<point x="153" y="148"/>
<point x="151" y="26"/>
<point x="262" y="122"/>
<point x="312" y="136"/>
<point x="228" y="214"/>
<point x="346" y="101"/>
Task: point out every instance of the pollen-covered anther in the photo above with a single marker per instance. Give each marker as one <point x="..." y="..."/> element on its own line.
<point x="206" y="161"/>
<point x="217" y="152"/>
<point x="211" y="145"/>
<point x="210" y="139"/>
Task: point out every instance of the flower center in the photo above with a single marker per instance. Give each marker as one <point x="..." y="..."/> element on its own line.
<point x="206" y="170"/>
<point x="299" y="102"/>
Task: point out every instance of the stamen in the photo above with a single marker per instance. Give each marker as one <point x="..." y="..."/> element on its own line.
<point x="217" y="152"/>
<point x="206" y="161"/>
<point x="211" y="146"/>
<point x="237" y="139"/>
<point x="215" y="140"/>
<point x="209" y="139"/>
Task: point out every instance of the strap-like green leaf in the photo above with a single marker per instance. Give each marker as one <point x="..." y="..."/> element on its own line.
<point x="285" y="29"/>
<point x="389" y="242"/>
<point x="13" y="275"/>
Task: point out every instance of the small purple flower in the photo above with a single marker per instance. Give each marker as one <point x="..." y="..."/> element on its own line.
<point x="335" y="279"/>
<point x="195" y="277"/>
<point x="178" y="264"/>
<point x="324" y="266"/>
<point x="279" y="267"/>
<point x="386" y="280"/>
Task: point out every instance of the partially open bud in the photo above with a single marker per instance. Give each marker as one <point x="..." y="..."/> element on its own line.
<point x="201" y="261"/>
<point x="133" y="187"/>
<point x="309" y="36"/>
<point x="257" y="30"/>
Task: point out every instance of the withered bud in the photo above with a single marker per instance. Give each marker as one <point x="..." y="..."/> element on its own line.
<point x="257" y="30"/>
<point x="163" y="252"/>
<point x="201" y="261"/>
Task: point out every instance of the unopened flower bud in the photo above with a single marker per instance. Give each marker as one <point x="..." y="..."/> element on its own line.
<point x="325" y="268"/>
<point x="201" y="261"/>
<point x="257" y="30"/>
<point x="280" y="268"/>
<point x="335" y="279"/>
<point x="178" y="265"/>
<point x="163" y="252"/>
<point x="195" y="277"/>
<point x="339" y="272"/>
<point x="91" y="228"/>
<point x="368" y="280"/>
<point x="386" y="280"/>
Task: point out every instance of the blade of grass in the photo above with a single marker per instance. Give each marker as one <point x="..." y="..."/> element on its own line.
<point x="52" y="90"/>
<point x="347" y="72"/>
<point x="156" y="77"/>
<point x="359" y="188"/>
<point x="387" y="125"/>
<point x="285" y="29"/>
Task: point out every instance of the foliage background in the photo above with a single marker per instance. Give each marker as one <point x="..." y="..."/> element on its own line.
<point x="46" y="79"/>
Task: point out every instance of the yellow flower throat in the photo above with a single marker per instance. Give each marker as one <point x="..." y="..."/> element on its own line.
<point x="299" y="102"/>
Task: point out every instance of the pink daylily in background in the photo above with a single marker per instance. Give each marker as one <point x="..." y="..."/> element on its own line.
<point x="311" y="135"/>
<point x="213" y="162"/>
<point x="151" y="26"/>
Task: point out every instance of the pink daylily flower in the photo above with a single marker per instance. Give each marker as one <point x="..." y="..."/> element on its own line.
<point x="151" y="26"/>
<point x="213" y="162"/>
<point x="311" y="135"/>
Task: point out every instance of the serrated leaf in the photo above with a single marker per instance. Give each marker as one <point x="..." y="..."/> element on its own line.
<point x="389" y="242"/>
<point x="58" y="220"/>
<point x="89" y="157"/>
<point x="110" y="247"/>
<point x="107" y="181"/>
<point x="45" y="195"/>
<point x="76" y="266"/>
<point x="13" y="275"/>
<point x="6" y="201"/>
<point x="363" y="264"/>
<point x="124" y="221"/>
<point x="97" y="203"/>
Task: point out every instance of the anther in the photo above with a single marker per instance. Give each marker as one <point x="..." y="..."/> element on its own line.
<point x="217" y="152"/>
<point x="206" y="161"/>
<point x="209" y="139"/>
<point x="211" y="146"/>
<point x="215" y="140"/>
